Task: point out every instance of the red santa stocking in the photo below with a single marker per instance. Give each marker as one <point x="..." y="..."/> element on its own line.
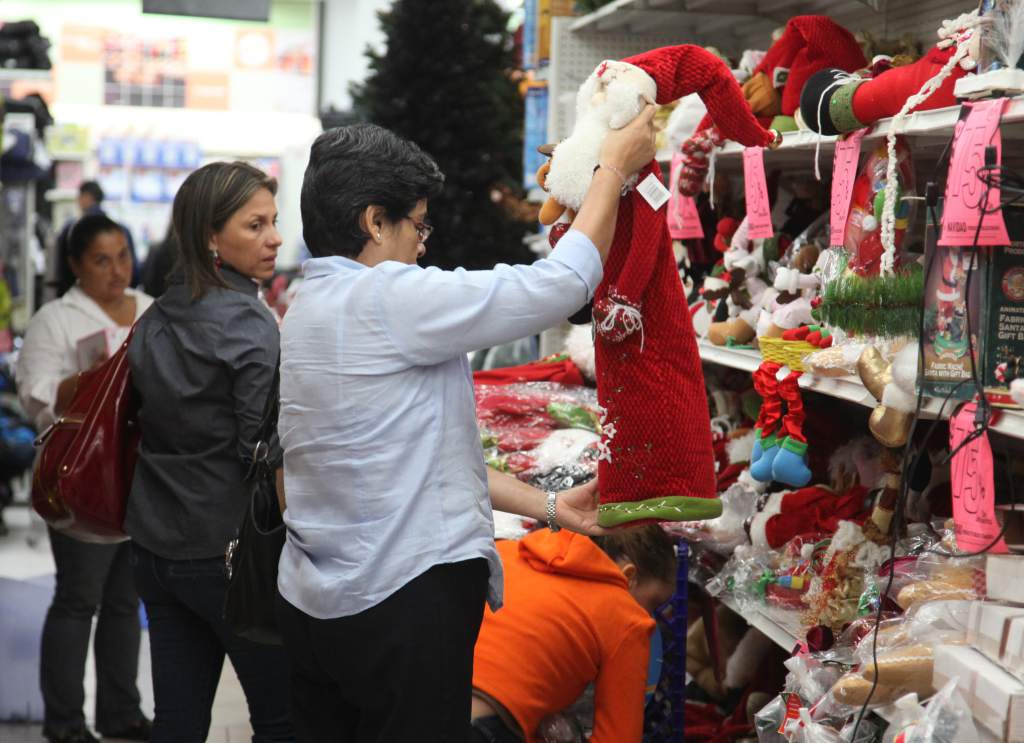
<point x="768" y="420"/>
<point x="790" y="464"/>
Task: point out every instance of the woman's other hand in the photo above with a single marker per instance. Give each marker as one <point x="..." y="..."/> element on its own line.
<point x="576" y="509"/>
<point x="631" y="147"/>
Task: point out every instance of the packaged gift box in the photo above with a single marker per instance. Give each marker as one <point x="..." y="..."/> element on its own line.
<point x="994" y="696"/>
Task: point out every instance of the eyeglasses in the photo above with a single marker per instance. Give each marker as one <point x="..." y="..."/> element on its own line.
<point x="423" y="229"/>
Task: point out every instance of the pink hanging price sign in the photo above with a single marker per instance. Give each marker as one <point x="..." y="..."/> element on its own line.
<point x="974" y="505"/>
<point x="683" y="219"/>
<point x="961" y="211"/>
<point x="755" y="186"/>
<point x="844" y="175"/>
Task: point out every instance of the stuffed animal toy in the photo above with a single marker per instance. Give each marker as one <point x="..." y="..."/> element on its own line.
<point x="656" y="458"/>
<point x="894" y="385"/>
<point x="834" y="102"/>
<point x="743" y="263"/>
<point x="808" y="44"/>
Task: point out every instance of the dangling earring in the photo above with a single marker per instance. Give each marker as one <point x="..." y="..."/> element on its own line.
<point x="217" y="262"/>
<point x="380" y="237"/>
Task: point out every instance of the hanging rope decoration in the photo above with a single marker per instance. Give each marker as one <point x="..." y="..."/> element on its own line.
<point x="961" y="32"/>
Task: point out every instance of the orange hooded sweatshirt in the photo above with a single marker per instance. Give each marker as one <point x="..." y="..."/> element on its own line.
<point x="568" y="619"/>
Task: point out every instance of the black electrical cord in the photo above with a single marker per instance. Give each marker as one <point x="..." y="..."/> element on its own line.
<point x="992" y="176"/>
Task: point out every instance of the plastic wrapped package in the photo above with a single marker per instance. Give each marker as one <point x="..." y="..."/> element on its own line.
<point x="741" y="576"/>
<point x="944" y="578"/>
<point x="945" y="719"/>
<point x="811" y="731"/>
<point x="543" y="433"/>
<point x="727" y="532"/>
<point x="769" y="719"/>
<point x="807" y="681"/>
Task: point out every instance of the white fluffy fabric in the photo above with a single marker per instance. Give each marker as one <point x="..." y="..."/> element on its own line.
<point x="579" y="344"/>
<point x="564" y="446"/>
<point x="847" y="537"/>
<point x="904" y="368"/>
<point x="898" y="399"/>
<point x="511" y="526"/>
<point x="683" y="120"/>
<point x="713" y="283"/>
<point x="605" y="102"/>
<point x="745" y="661"/>
<point x="1017" y="391"/>
<point x="759" y="524"/>
<point x="740" y="448"/>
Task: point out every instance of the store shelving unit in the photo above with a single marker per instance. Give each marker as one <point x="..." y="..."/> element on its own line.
<point x="782" y="634"/>
<point x="849" y="388"/>
<point x="625" y="27"/>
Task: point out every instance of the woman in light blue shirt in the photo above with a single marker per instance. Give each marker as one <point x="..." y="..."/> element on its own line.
<point x="390" y="552"/>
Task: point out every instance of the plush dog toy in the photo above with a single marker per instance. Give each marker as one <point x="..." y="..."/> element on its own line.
<point x="656" y="455"/>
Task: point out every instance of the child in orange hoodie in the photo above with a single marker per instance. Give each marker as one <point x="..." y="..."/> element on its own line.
<point x="577" y="609"/>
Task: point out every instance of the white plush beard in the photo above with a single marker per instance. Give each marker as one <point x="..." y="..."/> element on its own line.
<point x="573" y="163"/>
<point x="575" y="158"/>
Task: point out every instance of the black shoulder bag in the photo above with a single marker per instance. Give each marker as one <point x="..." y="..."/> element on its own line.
<point x="253" y="555"/>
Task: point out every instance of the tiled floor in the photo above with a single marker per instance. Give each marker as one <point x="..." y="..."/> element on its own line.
<point x="25" y="554"/>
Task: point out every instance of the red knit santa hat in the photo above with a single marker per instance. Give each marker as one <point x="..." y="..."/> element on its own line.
<point x="809" y="43"/>
<point x="685" y="69"/>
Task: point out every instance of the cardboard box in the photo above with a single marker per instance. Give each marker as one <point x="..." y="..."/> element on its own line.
<point x="1003" y="578"/>
<point x="1003" y="318"/>
<point x="995" y="697"/>
<point x="947" y="363"/>
<point x="988" y="629"/>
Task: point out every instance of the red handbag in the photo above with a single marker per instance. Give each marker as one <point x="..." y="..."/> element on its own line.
<point x="83" y="473"/>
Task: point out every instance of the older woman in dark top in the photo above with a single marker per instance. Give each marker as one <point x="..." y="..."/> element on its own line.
<point x="203" y="361"/>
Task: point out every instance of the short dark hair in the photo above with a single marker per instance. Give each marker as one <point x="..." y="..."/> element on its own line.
<point x="202" y="206"/>
<point x="92" y="189"/>
<point x="648" y="547"/>
<point x="351" y="168"/>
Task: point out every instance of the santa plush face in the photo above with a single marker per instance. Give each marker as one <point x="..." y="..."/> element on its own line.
<point x="609" y="99"/>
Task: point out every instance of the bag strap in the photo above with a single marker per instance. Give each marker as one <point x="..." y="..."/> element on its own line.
<point x="268" y="422"/>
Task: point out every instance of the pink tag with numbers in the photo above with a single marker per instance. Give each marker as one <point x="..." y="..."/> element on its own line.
<point x="759" y="210"/>
<point x="961" y="209"/>
<point x="844" y="175"/>
<point x="974" y="504"/>
<point x="683" y="219"/>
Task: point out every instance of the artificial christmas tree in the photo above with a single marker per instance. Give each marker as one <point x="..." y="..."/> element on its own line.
<point x="444" y="84"/>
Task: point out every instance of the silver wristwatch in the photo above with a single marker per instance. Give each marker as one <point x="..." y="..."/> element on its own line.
<point x="552" y="522"/>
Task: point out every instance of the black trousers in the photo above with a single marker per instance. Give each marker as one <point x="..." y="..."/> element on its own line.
<point x="188" y="639"/>
<point x="400" y="671"/>
<point x="90" y="577"/>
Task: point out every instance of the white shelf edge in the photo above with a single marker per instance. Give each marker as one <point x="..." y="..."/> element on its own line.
<point x="19" y="74"/>
<point x="766" y="626"/>
<point x="916" y="124"/>
<point x="1008" y="422"/>
<point x="583" y="23"/>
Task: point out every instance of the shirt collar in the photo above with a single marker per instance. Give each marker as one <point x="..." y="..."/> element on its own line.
<point x="237" y="281"/>
<point x="231" y="277"/>
<point x="328" y="265"/>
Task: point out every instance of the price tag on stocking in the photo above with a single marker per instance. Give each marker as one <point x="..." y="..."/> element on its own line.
<point x="974" y="505"/>
<point x="844" y="175"/>
<point x="683" y="218"/>
<point x="755" y="186"/>
<point x="962" y="208"/>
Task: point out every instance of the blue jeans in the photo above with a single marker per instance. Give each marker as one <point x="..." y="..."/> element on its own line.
<point x="188" y="639"/>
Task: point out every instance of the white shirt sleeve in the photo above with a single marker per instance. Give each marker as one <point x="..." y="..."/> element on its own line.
<point x="432" y="316"/>
<point x="41" y="366"/>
